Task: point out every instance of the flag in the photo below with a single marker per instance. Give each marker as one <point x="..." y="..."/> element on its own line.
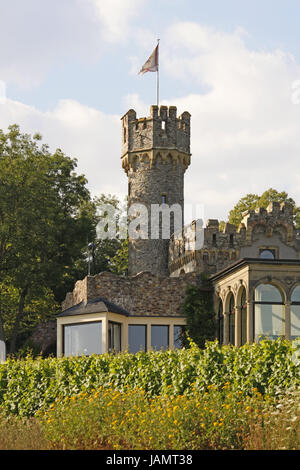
<point x="152" y="63"/>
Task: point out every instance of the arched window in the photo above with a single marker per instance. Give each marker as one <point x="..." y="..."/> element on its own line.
<point x="220" y="323"/>
<point x="243" y="317"/>
<point x="267" y="254"/>
<point x="231" y="323"/>
<point x="269" y="312"/>
<point x="295" y="314"/>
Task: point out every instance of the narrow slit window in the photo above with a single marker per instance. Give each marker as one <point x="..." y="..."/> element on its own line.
<point x="164" y="199"/>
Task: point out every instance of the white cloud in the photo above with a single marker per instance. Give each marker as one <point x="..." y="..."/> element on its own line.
<point x="245" y="128"/>
<point x="87" y="134"/>
<point x="37" y="37"/>
<point x="115" y="16"/>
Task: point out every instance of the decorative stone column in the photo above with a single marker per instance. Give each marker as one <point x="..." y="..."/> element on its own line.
<point x="250" y="317"/>
<point x="238" y="326"/>
<point x="287" y="320"/>
<point x="226" y="328"/>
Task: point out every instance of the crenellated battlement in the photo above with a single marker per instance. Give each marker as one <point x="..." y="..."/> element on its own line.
<point x="161" y="134"/>
<point x="260" y="229"/>
<point x="275" y="211"/>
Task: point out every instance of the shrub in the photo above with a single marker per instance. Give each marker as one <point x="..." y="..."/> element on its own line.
<point x="28" y="385"/>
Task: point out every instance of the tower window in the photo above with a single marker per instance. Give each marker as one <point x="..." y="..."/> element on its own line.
<point x="164" y="199"/>
<point x="231" y="241"/>
<point x="129" y="189"/>
<point x="214" y="239"/>
<point x="163" y="125"/>
<point x="124" y="134"/>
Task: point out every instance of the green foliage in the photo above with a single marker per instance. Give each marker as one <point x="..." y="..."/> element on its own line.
<point x="253" y="201"/>
<point x="119" y="262"/>
<point x="199" y="313"/>
<point x="44" y="220"/>
<point x="31" y="384"/>
<point x="41" y="306"/>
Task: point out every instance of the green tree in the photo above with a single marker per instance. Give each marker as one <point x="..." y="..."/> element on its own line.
<point x="199" y="313"/>
<point x="119" y="263"/>
<point x="253" y="201"/>
<point x="248" y="202"/>
<point x="43" y="223"/>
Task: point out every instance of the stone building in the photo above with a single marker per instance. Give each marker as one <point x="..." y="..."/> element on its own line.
<point x="254" y="269"/>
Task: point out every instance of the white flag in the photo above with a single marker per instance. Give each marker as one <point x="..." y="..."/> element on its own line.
<point x="152" y="63"/>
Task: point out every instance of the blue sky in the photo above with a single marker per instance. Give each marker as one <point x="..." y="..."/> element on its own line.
<point x="70" y="71"/>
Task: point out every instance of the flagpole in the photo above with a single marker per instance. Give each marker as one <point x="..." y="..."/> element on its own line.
<point x="157" y="75"/>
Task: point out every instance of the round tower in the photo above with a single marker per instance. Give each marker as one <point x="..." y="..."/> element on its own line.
<point x="155" y="156"/>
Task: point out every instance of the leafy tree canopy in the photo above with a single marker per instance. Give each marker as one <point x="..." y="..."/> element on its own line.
<point x="46" y="216"/>
<point x="199" y="313"/>
<point x="253" y="201"/>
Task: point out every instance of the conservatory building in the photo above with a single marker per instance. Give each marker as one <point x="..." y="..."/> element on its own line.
<point x="256" y="298"/>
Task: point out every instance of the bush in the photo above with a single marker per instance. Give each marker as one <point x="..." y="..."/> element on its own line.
<point x="28" y="385"/>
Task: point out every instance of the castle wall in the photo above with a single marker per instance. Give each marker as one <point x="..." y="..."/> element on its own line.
<point x="272" y="229"/>
<point x="144" y="294"/>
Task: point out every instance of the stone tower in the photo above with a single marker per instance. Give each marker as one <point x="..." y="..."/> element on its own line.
<point x="155" y="156"/>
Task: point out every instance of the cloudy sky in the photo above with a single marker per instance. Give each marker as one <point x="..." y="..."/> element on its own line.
<point x="69" y="70"/>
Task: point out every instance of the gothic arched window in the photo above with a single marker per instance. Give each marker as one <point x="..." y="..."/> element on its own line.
<point x="269" y="312"/>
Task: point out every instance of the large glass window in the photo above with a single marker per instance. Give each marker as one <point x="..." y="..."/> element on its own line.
<point x="114" y="337"/>
<point x="137" y="338"/>
<point x="159" y="337"/>
<point x="178" y="336"/>
<point x="231" y="320"/>
<point x="243" y="318"/>
<point x="269" y="312"/>
<point x="83" y="339"/>
<point x="295" y="314"/>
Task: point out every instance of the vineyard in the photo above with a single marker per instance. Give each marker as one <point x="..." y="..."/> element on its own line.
<point x="219" y="397"/>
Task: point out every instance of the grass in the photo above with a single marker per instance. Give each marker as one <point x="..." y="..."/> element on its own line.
<point x="109" y="419"/>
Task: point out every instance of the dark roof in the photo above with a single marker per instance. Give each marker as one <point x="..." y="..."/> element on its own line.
<point x="97" y="305"/>
<point x="244" y="261"/>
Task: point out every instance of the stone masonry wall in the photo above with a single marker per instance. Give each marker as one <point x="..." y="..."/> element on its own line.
<point x="155" y="156"/>
<point x="269" y="228"/>
<point x="143" y="294"/>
